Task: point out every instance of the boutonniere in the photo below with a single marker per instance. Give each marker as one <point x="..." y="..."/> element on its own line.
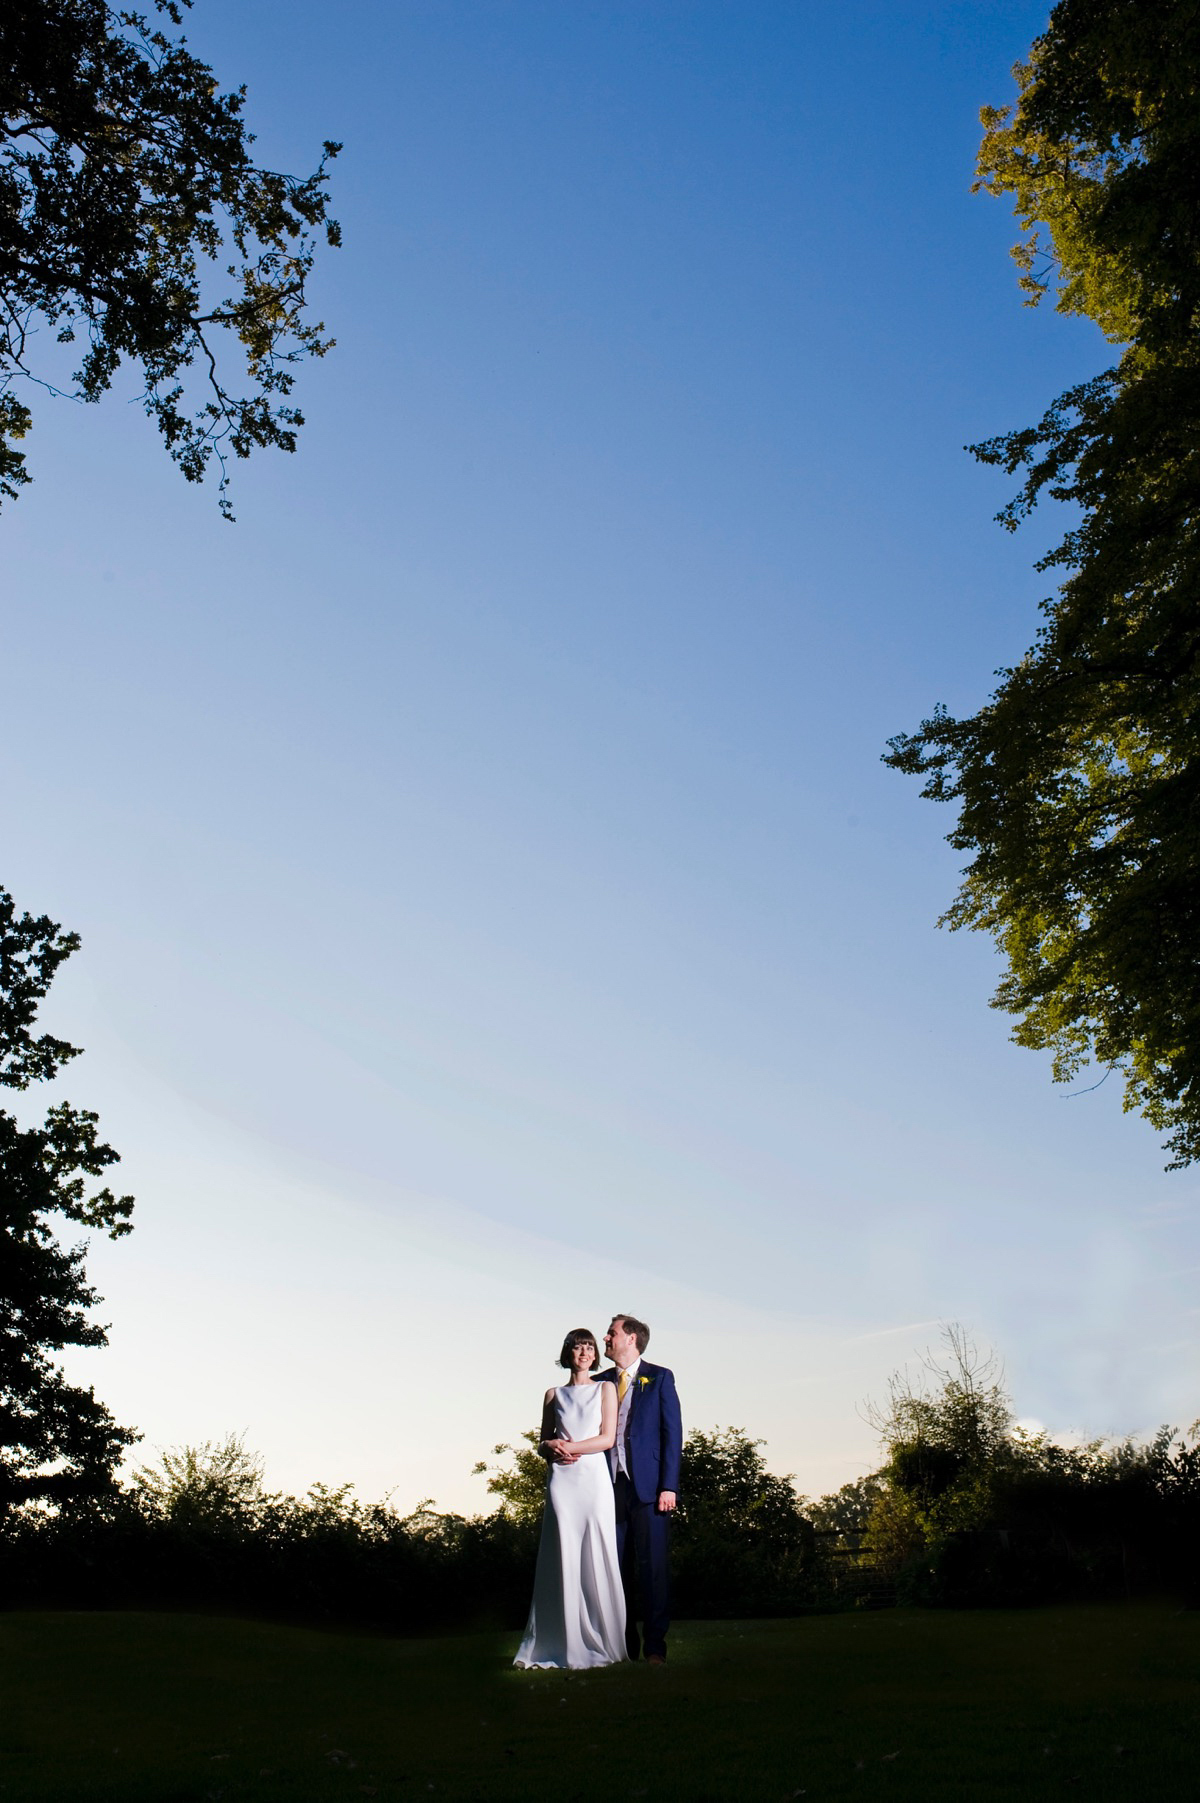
<point x="643" y="1381"/>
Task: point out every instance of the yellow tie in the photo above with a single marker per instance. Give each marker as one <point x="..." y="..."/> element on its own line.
<point x="622" y="1385"/>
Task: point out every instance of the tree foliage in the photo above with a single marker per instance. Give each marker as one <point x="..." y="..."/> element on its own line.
<point x="972" y="1509"/>
<point x="729" y="1487"/>
<point x="1078" y="783"/>
<point x="742" y="1542"/>
<point x="56" y="1440"/>
<point x="520" y="1482"/>
<point x="943" y="1439"/>
<point x="843" y="1516"/>
<point x="135" y="224"/>
<point x="217" y="1480"/>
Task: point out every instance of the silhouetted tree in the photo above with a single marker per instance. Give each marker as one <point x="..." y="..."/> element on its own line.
<point x="134" y="221"/>
<point x="45" y="1422"/>
<point x="218" y="1480"/>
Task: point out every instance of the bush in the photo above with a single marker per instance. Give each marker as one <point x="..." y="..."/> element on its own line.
<point x="181" y="1538"/>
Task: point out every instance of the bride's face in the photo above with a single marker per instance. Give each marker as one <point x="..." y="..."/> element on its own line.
<point x="582" y="1356"/>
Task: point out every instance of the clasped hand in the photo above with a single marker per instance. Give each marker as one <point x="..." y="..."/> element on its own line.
<point x="559" y="1452"/>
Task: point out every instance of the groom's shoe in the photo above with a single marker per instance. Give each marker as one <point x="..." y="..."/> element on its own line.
<point x="655" y="1659"/>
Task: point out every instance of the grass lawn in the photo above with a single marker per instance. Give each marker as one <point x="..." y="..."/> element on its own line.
<point x="1086" y="1702"/>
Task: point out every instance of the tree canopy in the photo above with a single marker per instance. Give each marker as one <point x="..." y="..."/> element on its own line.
<point x="970" y="1507"/>
<point x="56" y="1440"/>
<point x="1078" y="783"/>
<point x="135" y="223"/>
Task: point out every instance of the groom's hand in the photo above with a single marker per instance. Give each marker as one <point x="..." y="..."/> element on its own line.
<point x="666" y="1501"/>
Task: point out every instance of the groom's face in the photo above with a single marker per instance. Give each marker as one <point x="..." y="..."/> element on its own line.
<point x="620" y="1346"/>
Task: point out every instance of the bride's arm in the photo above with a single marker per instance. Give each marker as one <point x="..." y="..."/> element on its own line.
<point x="547" y="1430"/>
<point x="608" y="1426"/>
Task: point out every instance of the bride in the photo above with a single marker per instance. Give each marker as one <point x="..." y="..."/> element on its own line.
<point x="577" y="1618"/>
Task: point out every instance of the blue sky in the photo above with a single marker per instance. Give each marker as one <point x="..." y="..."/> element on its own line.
<point x="495" y="911"/>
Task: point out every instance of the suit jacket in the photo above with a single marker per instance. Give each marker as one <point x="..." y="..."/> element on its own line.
<point x="655" y="1430"/>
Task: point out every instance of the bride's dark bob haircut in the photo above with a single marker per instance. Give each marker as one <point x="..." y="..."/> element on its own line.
<point x="579" y="1336"/>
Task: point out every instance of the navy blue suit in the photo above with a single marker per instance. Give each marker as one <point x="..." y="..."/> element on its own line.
<point x="654" y="1452"/>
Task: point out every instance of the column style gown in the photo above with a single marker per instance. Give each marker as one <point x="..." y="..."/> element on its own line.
<point x="577" y="1618"/>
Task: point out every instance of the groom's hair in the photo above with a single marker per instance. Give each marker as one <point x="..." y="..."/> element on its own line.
<point x="579" y="1336"/>
<point x="638" y="1329"/>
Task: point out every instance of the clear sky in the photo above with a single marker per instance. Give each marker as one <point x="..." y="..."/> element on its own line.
<point x="495" y="911"/>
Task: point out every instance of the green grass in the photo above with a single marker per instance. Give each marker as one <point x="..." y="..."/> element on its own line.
<point x="1089" y="1702"/>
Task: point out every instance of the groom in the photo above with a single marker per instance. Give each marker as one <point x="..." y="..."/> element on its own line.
<point x="645" y="1469"/>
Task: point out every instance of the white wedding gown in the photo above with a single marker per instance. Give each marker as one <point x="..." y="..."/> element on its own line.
<point x="577" y="1618"/>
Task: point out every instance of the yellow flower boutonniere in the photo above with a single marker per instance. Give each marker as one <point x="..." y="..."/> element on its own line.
<point x="643" y="1381"/>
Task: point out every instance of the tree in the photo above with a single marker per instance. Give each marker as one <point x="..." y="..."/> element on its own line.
<point x="941" y="1440"/>
<point x="133" y="220"/>
<point x="217" y="1481"/>
<point x="973" y="1509"/>
<point x="520" y="1483"/>
<point x="843" y="1515"/>
<point x="1079" y="781"/>
<point x="56" y="1440"/>
<point x="743" y="1545"/>
<point x="728" y="1486"/>
<point x="944" y="1443"/>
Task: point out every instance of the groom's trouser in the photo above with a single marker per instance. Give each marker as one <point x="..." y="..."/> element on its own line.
<point x="644" y="1550"/>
